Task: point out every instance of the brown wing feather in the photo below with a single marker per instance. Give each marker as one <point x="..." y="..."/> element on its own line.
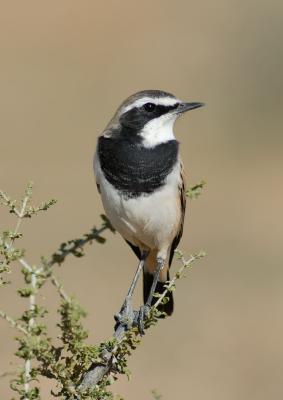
<point x="182" y="196"/>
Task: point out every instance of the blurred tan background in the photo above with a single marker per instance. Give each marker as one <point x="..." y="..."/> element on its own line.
<point x="65" y="67"/>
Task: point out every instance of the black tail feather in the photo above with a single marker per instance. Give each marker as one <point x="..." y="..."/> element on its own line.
<point x="147" y="283"/>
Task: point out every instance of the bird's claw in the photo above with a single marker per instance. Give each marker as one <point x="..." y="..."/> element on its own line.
<point x="140" y="318"/>
<point x="126" y="316"/>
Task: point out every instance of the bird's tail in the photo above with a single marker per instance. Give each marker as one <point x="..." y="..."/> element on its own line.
<point x="160" y="287"/>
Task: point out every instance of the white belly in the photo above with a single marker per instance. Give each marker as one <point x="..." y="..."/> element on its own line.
<point x="150" y="219"/>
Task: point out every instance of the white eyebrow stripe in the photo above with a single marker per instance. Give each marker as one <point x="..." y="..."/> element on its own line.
<point x="164" y="101"/>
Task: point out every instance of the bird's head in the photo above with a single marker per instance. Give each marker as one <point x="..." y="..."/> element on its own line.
<point x="148" y="117"/>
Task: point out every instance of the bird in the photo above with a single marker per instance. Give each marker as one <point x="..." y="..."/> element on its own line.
<point x="140" y="177"/>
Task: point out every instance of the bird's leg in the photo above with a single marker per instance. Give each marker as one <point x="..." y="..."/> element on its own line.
<point x="137" y="275"/>
<point x="144" y="310"/>
<point x="126" y="315"/>
<point x="160" y="265"/>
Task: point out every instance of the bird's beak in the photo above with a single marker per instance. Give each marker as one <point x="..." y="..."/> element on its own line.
<point x="184" y="107"/>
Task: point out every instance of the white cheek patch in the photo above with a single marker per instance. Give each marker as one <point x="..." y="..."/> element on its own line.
<point x="158" y="130"/>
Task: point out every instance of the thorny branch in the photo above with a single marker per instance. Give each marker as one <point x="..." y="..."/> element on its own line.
<point x="32" y="299"/>
<point x="12" y="322"/>
<point x="76" y="246"/>
<point x="31" y="324"/>
<point x="34" y="344"/>
<point x="81" y="371"/>
<point x="98" y="371"/>
<point x="59" y="287"/>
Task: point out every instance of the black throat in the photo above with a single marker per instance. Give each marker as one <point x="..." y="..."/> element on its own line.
<point x="133" y="169"/>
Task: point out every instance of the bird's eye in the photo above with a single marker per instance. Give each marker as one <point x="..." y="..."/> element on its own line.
<point x="149" y="107"/>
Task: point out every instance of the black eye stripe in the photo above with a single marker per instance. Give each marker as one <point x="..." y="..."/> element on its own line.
<point x="159" y="109"/>
<point x="137" y="117"/>
<point x="167" y="108"/>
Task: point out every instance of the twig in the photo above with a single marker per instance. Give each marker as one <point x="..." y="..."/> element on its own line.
<point x="32" y="300"/>
<point x="59" y="287"/>
<point x="74" y="246"/>
<point x="31" y="323"/>
<point x="20" y="214"/>
<point x="98" y="371"/>
<point x="185" y="264"/>
<point x="25" y="265"/>
<point x="8" y="200"/>
<point x="12" y="322"/>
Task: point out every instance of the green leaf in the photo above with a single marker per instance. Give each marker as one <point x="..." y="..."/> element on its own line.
<point x="195" y="191"/>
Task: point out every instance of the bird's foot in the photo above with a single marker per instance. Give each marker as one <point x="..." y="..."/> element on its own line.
<point x="126" y="316"/>
<point x="140" y="318"/>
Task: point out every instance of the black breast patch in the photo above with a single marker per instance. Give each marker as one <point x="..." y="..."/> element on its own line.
<point x="133" y="169"/>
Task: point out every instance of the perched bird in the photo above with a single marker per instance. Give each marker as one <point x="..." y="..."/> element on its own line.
<point x="140" y="178"/>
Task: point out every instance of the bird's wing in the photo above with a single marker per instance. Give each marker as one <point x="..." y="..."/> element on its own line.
<point x="182" y="199"/>
<point x="98" y="187"/>
<point x="135" y="249"/>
